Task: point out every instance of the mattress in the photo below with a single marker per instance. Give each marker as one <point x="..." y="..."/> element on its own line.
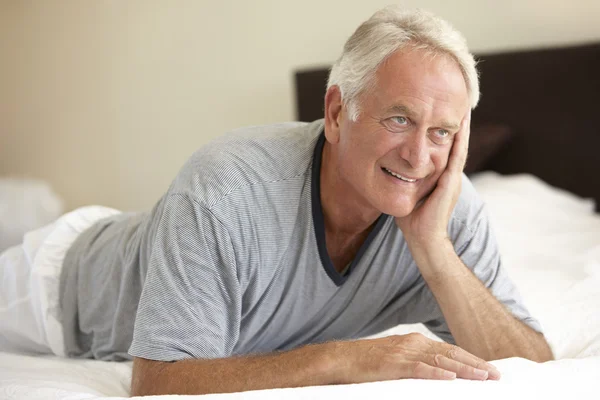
<point x="550" y="241"/>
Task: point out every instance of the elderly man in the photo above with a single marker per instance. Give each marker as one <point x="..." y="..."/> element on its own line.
<point x="276" y="244"/>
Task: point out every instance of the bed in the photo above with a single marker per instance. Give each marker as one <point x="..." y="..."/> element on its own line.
<point x="534" y="152"/>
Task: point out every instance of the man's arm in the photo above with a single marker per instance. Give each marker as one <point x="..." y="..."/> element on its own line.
<point x="303" y="367"/>
<point x="477" y="320"/>
<point x="369" y="360"/>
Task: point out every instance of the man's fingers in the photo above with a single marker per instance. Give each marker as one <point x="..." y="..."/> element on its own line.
<point x="462" y="356"/>
<point x="461" y="370"/>
<point x="460" y="147"/>
<point x="423" y="370"/>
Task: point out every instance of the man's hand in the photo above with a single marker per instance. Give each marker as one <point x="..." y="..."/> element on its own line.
<point x="367" y="360"/>
<point x="477" y="320"/>
<point x="427" y="224"/>
<point x="407" y="356"/>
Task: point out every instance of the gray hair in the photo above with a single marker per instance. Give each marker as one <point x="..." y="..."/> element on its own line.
<point x="387" y="31"/>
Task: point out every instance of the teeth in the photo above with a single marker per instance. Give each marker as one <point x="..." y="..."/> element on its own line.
<point x="400" y="176"/>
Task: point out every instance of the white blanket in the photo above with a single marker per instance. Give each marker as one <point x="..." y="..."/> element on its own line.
<point x="550" y="242"/>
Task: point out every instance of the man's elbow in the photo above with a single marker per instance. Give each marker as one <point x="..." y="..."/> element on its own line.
<point x="541" y="351"/>
<point x="533" y="348"/>
<point x="138" y="390"/>
<point x="147" y="378"/>
<point x="141" y="386"/>
<point x="544" y="355"/>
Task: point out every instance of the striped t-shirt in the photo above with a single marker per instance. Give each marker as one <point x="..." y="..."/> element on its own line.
<point x="232" y="260"/>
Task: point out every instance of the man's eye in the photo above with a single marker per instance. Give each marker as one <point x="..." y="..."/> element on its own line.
<point x="396" y="124"/>
<point x="400" y="120"/>
<point x="442" y="133"/>
<point x="441" y="136"/>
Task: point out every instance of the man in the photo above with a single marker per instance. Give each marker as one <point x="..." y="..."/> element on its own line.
<point x="275" y="245"/>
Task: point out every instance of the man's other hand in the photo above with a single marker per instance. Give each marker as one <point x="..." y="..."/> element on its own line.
<point x="427" y="224"/>
<point x="406" y="356"/>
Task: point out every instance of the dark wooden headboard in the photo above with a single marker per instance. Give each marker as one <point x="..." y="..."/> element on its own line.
<point x="549" y="97"/>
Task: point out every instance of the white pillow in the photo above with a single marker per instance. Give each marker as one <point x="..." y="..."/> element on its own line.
<point x="529" y="191"/>
<point x="550" y="244"/>
<point x="25" y="204"/>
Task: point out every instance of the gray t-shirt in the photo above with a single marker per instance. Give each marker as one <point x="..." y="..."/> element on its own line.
<point x="233" y="260"/>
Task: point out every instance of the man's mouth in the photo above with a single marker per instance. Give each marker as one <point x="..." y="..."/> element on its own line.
<point x="397" y="175"/>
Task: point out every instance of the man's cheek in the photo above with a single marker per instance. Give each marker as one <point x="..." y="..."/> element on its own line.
<point x="440" y="162"/>
<point x="427" y="188"/>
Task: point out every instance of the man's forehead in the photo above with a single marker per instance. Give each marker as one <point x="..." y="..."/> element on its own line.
<point x="415" y="73"/>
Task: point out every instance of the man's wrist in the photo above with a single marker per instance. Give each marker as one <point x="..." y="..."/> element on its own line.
<point x="432" y="249"/>
<point x="435" y="258"/>
<point x="332" y="362"/>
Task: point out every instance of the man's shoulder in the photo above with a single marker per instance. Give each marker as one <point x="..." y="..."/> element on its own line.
<point x="468" y="212"/>
<point x="248" y="157"/>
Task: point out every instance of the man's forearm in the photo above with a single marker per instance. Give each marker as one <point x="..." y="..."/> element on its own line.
<point x="477" y="320"/>
<point x="411" y="356"/>
<point x="305" y="366"/>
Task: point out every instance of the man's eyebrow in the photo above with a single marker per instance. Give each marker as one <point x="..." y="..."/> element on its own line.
<point x="400" y="109"/>
<point x="449" y="126"/>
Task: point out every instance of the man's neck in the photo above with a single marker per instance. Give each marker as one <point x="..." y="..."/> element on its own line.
<point x="344" y="211"/>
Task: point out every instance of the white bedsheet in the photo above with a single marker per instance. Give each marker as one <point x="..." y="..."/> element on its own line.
<point x="26" y="377"/>
<point x="551" y="247"/>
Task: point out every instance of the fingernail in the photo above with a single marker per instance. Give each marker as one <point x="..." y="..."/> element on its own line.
<point x="480" y="373"/>
<point x="449" y="374"/>
<point x="495" y="374"/>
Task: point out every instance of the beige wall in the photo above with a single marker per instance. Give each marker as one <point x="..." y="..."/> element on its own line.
<point x="106" y="99"/>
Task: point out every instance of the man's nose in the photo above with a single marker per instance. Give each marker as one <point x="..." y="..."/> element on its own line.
<point x="415" y="150"/>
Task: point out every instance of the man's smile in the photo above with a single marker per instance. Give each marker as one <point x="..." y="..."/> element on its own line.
<point x="399" y="176"/>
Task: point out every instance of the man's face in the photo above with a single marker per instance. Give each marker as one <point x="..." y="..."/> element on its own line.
<point x="395" y="152"/>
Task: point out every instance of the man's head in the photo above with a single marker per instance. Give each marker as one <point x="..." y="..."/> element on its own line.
<point x="395" y="99"/>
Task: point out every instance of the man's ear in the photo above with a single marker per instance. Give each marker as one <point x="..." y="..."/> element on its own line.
<point x="333" y="113"/>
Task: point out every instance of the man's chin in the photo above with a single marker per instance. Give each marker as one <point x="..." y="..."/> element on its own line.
<point x="399" y="211"/>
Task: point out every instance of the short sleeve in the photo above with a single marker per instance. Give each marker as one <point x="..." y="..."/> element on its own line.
<point x="190" y="306"/>
<point x="481" y="254"/>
